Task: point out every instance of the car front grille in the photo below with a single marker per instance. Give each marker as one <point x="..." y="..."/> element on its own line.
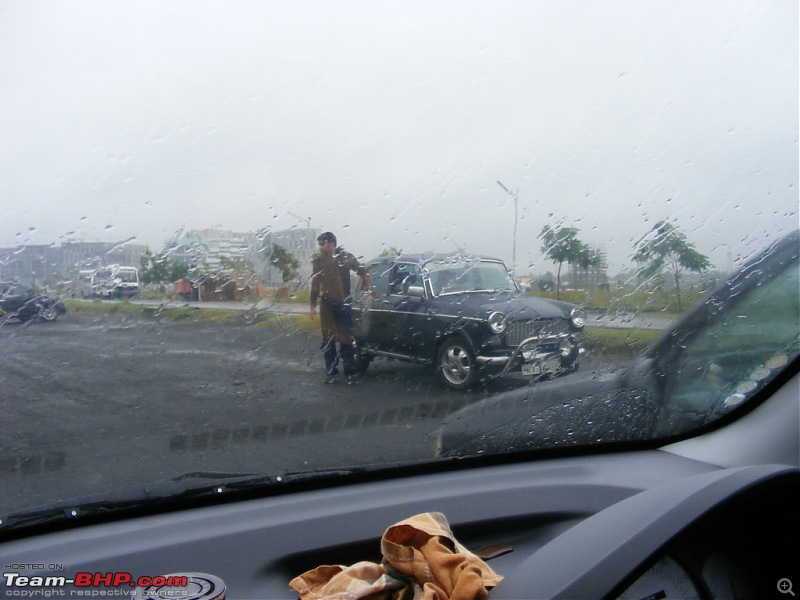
<point x="518" y="331"/>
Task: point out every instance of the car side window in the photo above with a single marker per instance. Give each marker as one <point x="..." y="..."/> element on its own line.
<point x="403" y="276"/>
<point x="380" y="274"/>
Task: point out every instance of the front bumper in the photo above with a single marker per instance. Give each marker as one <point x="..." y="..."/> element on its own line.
<point x="125" y="291"/>
<point x="534" y="356"/>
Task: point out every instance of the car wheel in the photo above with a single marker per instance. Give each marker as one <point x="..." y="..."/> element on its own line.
<point x="49" y="314"/>
<point x="362" y="361"/>
<point x="456" y="365"/>
<point x="572" y="369"/>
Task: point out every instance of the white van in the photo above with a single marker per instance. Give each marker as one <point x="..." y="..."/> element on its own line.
<point x="115" y="281"/>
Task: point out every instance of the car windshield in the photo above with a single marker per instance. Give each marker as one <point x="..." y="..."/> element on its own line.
<point x="251" y="240"/>
<point x="126" y="276"/>
<point x="453" y="277"/>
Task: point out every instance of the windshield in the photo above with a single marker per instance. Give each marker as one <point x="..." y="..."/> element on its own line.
<point x="127" y="276"/>
<point x="453" y="277"/>
<point x="250" y="239"/>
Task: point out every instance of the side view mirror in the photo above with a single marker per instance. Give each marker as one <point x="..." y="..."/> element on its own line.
<point x="416" y="290"/>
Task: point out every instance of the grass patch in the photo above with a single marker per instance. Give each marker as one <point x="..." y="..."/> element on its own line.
<point x="187" y="314"/>
<point x="96" y="307"/>
<point x="288" y="295"/>
<point x="618" y="342"/>
<point x="629" y="301"/>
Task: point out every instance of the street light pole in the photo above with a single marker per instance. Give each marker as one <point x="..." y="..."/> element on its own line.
<point x="514" y="247"/>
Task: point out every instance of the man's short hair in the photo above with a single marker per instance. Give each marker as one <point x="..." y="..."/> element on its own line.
<point x="327" y="237"/>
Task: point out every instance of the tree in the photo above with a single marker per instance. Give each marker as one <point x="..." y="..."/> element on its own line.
<point x="390" y="251"/>
<point x="238" y="270"/>
<point x="561" y="245"/>
<point x="178" y="270"/>
<point x="160" y="269"/>
<point x="666" y="247"/>
<point x="285" y="262"/>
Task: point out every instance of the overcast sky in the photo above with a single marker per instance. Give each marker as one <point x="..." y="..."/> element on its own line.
<point x="390" y="122"/>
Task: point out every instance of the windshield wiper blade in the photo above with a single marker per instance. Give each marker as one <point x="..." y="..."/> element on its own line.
<point x="160" y="490"/>
<point x="180" y="487"/>
<point x="223" y="481"/>
<point x="295" y="476"/>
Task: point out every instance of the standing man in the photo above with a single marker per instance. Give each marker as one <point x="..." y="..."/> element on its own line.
<point x="330" y="283"/>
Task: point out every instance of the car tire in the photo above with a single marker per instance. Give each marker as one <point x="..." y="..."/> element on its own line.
<point x="362" y="362"/>
<point x="49" y="314"/>
<point x="455" y="364"/>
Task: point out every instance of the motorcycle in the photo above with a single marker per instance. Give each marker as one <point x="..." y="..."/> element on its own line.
<point x="25" y="305"/>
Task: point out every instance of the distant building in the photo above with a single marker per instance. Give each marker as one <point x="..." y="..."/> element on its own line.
<point x="206" y="248"/>
<point x="593" y="277"/>
<point x="302" y="243"/>
<point x="89" y="255"/>
<point x="31" y="264"/>
<point x="48" y="264"/>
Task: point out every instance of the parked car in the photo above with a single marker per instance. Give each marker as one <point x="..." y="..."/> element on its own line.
<point x="24" y="304"/>
<point x="706" y="366"/>
<point x="466" y="316"/>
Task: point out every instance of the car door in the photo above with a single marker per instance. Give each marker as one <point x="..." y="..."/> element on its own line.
<point x="373" y="315"/>
<point x="381" y="320"/>
<point x="408" y="308"/>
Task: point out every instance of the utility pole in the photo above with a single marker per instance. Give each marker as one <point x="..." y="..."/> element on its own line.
<point x="514" y="248"/>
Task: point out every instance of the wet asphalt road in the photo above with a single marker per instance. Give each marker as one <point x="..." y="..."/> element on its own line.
<point x="91" y="404"/>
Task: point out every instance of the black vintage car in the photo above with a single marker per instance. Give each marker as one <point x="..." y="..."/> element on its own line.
<point x="22" y="304"/>
<point x="465" y="316"/>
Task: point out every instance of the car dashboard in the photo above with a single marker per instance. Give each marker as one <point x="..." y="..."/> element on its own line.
<point x="631" y="525"/>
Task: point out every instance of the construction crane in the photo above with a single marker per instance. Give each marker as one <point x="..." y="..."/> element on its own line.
<point x="306" y="219"/>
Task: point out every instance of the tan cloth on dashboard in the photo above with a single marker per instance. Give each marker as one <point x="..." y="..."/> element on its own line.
<point x="421" y="561"/>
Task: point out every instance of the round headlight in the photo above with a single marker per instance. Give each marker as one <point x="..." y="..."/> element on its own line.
<point x="497" y="322"/>
<point x="565" y="348"/>
<point x="578" y="317"/>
